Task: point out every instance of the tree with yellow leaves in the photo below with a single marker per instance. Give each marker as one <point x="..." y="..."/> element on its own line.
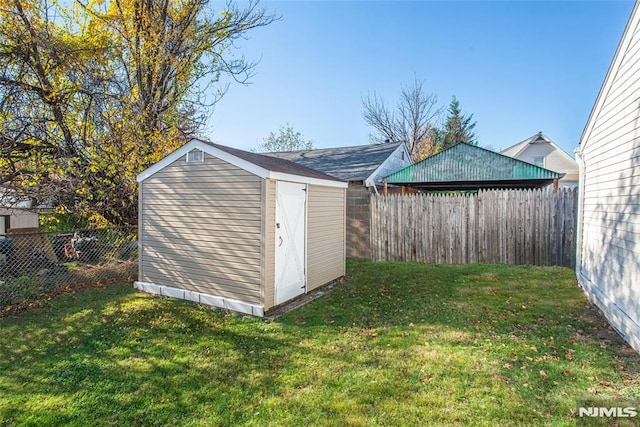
<point x="93" y="93"/>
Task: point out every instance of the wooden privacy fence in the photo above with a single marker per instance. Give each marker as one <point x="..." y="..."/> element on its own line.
<point x="517" y="227"/>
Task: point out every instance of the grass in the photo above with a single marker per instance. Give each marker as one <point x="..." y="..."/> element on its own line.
<point x="397" y="344"/>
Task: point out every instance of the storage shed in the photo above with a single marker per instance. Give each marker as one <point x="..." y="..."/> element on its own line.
<point x="238" y="230"/>
<point x="17" y="220"/>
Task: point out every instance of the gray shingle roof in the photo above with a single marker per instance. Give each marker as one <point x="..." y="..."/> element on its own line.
<point x="272" y="163"/>
<point x="354" y="163"/>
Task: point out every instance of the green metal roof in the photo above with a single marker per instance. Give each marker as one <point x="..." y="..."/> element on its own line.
<point x="463" y="162"/>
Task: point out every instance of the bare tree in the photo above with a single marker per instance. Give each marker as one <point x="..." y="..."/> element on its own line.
<point x="410" y="122"/>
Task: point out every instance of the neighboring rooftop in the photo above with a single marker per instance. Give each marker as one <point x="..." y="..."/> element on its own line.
<point x="356" y="163"/>
<point x="466" y="167"/>
<point x="273" y="163"/>
<point x="9" y="198"/>
<point x="538" y="138"/>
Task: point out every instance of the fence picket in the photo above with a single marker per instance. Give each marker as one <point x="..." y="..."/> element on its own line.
<point x="534" y="227"/>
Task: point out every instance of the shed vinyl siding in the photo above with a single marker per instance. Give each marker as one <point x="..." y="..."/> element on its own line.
<point x="325" y="235"/>
<point x="270" y="244"/>
<point x="201" y="229"/>
<point x="609" y="264"/>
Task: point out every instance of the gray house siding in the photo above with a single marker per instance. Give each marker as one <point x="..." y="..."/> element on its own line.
<point x="609" y="247"/>
<point x="201" y="229"/>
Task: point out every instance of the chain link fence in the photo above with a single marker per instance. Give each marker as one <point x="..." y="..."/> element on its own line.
<point x="35" y="265"/>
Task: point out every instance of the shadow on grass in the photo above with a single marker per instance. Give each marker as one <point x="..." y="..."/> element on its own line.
<point x="159" y="360"/>
<point x="532" y="326"/>
<point x="397" y="344"/>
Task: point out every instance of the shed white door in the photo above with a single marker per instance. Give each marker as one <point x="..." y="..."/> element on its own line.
<point x="290" y="240"/>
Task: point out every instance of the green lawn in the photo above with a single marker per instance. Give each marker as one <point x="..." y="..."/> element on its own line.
<point x="397" y="344"/>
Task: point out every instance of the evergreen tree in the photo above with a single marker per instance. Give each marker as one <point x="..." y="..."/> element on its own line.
<point x="458" y="127"/>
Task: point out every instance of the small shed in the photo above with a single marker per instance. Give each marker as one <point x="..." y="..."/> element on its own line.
<point x="16" y="213"/>
<point x="464" y="167"/>
<point x="238" y="230"/>
<point x="17" y="220"/>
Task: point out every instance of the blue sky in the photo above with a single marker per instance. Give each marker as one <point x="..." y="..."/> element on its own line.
<point x="519" y="67"/>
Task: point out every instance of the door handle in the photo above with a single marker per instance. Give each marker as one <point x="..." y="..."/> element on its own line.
<point x="281" y="241"/>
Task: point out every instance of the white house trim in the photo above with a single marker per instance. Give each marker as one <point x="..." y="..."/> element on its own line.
<point x="306" y="180"/>
<point x="561" y="151"/>
<point x="614" y="68"/>
<point x="580" y="213"/>
<point x="203" y="146"/>
<point x="236" y="161"/>
<point x="525" y="145"/>
<point x="216" y="301"/>
<point x="370" y="181"/>
<point x="517" y="153"/>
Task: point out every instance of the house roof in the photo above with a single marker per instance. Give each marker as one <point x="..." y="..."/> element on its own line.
<point x="274" y="164"/>
<point x="258" y="164"/>
<point x="538" y="138"/>
<point x="516" y="149"/>
<point x="355" y="163"/>
<point x="466" y="166"/>
<point x="616" y="64"/>
<point x="9" y="198"/>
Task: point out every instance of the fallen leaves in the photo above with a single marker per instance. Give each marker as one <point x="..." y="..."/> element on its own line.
<point x="427" y="379"/>
<point x="570" y="354"/>
<point x="373" y="333"/>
